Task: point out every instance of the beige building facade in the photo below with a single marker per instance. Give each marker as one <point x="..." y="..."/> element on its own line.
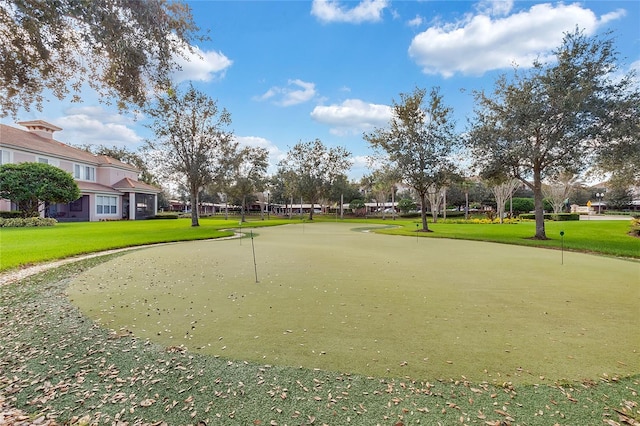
<point x="109" y="188"/>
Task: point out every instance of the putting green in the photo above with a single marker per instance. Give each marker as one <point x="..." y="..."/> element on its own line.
<point x="336" y="298"/>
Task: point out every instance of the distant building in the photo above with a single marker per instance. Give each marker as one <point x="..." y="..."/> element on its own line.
<point x="109" y="189"/>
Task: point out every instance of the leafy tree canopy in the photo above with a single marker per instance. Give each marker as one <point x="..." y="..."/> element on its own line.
<point x="406" y="205"/>
<point x="555" y="117"/>
<point x="313" y="167"/>
<point x="419" y="142"/>
<point x="248" y="175"/>
<point x="117" y="47"/>
<point x="191" y="141"/>
<point x="31" y="184"/>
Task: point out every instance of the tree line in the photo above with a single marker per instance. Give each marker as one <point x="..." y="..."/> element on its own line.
<point x="534" y="126"/>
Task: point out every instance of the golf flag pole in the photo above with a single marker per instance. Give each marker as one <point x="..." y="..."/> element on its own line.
<point x="562" y="247"/>
<point x="253" y="249"/>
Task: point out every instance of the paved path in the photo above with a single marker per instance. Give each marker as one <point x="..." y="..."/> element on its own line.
<point x="604" y="217"/>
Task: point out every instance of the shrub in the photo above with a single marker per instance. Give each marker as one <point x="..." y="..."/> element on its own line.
<point x="635" y="226"/>
<point x="551" y="216"/>
<point x="27" y="222"/>
<point x="411" y="215"/>
<point x="495" y="220"/>
<point x="565" y="216"/>
<point x="10" y="214"/>
<point x="405" y="205"/>
<point x="453" y="213"/>
<point x="163" y="216"/>
<point x="520" y="205"/>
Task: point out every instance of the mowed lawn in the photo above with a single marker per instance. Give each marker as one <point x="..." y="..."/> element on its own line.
<point x="607" y="237"/>
<point x="25" y="246"/>
<point x="339" y="299"/>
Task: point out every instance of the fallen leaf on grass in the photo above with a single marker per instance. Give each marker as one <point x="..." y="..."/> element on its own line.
<point x="147" y="402"/>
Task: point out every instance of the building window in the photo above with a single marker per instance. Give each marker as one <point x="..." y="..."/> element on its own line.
<point x="5" y="157"/>
<point x="90" y="173"/>
<point x="43" y="160"/>
<point x="106" y="204"/>
<point x="84" y="172"/>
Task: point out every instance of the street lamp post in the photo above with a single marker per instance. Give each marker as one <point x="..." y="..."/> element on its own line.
<point x="599" y="196"/>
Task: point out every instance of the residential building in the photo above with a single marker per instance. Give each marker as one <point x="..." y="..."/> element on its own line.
<point x="109" y="188"/>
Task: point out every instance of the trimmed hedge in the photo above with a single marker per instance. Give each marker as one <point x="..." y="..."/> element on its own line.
<point x="163" y="216"/>
<point x="561" y="217"/>
<point x="10" y="214"/>
<point x="17" y="222"/>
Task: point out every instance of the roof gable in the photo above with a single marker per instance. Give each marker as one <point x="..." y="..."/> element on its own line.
<point x="30" y="141"/>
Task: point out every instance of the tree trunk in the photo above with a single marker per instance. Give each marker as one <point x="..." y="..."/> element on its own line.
<point x="313" y="203"/>
<point x="242" y="209"/>
<point x="423" y="212"/>
<point x="393" y="204"/>
<point x="262" y="209"/>
<point x="538" y="205"/>
<point x="466" y="205"/>
<point x="194" y="207"/>
<point x="444" y="203"/>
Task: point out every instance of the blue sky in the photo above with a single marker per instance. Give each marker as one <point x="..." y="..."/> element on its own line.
<point x="299" y="70"/>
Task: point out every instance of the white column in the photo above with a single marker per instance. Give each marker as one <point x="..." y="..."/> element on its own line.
<point x="132" y="206"/>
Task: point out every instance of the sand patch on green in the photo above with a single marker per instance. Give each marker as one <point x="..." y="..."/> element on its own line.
<point x="357" y="302"/>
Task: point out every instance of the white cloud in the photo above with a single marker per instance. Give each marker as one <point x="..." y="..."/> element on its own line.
<point x="415" y="22"/>
<point x="201" y="65"/>
<point x="495" y="7"/>
<point x="275" y="153"/>
<point x="95" y="126"/>
<point x="480" y="43"/>
<point x="296" y="92"/>
<point x="612" y="16"/>
<point x="333" y="11"/>
<point x="352" y="116"/>
<point x="361" y="162"/>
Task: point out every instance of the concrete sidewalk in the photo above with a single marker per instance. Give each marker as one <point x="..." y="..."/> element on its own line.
<point x="604" y="217"/>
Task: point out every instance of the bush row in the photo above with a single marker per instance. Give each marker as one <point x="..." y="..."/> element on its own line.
<point x="478" y="220"/>
<point x="551" y="216"/>
<point x="163" y="216"/>
<point x="10" y="214"/>
<point x="17" y="222"/>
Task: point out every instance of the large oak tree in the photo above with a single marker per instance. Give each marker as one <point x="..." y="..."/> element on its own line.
<point x="419" y="142"/>
<point x="554" y="117"/>
<point x="191" y="141"/>
<point x="117" y="47"/>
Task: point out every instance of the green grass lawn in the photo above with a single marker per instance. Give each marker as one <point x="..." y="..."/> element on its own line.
<point x="337" y="331"/>
<point x="603" y="237"/>
<point x="25" y="246"/>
